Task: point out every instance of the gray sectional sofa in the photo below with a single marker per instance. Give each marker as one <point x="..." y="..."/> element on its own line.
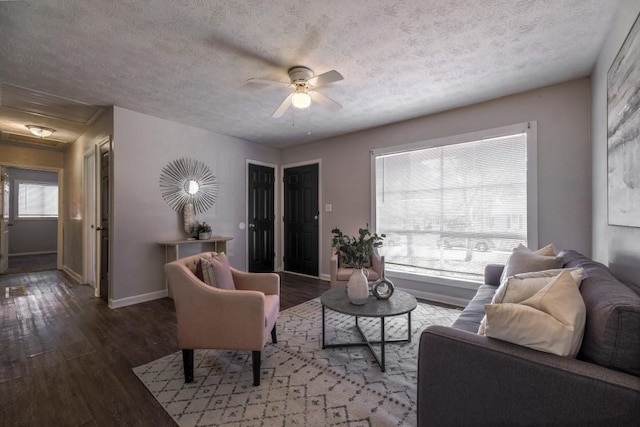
<point x="469" y="379"/>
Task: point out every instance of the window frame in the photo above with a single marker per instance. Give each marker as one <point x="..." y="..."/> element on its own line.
<point x="16" y="211"/>
<point x="529" y="128"/>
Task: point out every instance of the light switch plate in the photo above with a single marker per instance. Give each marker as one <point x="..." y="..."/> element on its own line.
<point x="328" y="207"/>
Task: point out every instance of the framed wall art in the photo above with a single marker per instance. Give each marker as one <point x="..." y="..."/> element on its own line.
<point x="623" y="133"/>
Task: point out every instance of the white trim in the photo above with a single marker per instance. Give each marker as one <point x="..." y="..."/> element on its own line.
<point x="325" y="277"/>
<point x="320" y="210"/>
<point x="75" y="276"/>
<point x="436" y="280"/>
<point x="137" y="299"/>
<point x="276" y="224"/>
<point x="440" y="298"/>
<point x="32" y="253"/>
<point x="89" y="227"/>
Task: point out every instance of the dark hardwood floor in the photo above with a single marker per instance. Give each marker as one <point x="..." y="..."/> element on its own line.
<point x="66" y="358"/>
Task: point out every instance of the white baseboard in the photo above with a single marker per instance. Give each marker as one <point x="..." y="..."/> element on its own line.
<point x="443" y="299"/>
<point x="75" y="276"/>
<point x="123" y="302"/>
<point x="325" y="277"/>
<point x="33" y="253"/>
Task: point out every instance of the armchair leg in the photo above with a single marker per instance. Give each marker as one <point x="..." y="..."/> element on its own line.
<point x="274" y="338"/>
<point x="255" y="355"/>
<point x="187" y="362"/>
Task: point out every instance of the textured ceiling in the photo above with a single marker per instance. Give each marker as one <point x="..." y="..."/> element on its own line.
<point x="189" y="60"/>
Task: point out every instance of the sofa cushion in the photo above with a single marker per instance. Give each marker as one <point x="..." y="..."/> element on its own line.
<point x="524" y="260"/>
<point x="469" y="319"/>
<point x="552" y="320"/>
<point x="612" y="331"/>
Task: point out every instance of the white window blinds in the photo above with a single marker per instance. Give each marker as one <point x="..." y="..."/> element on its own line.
<point x="450" y="210"/>
<point x="37" y="200"/>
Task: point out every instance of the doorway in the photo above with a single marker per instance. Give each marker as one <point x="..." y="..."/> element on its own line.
<point x="103" y="154"/>
<point x="301" y="216"/>
<point x="89" y="261"/>
<point x="31" y="221"/>
<point x="261" y="218"/>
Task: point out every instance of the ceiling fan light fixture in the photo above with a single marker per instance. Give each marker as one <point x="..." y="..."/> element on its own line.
<point x="40" y="131"/>
<point x="301" y="100"/>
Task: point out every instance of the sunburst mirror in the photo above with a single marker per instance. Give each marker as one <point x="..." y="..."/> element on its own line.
<point x="188" y="186"/>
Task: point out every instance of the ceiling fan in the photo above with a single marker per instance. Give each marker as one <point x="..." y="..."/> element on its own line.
<point x="304" y="84"/>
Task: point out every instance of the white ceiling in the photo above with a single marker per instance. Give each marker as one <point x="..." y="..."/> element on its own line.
<point x="189" y="60"/>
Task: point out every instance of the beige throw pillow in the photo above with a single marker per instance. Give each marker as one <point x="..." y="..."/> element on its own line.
<point x="522" y="286"/>
<point x="552" y="320"/>
<point x="216" y="272"/>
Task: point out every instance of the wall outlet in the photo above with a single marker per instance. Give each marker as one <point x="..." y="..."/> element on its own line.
<point x="328" y="207"/>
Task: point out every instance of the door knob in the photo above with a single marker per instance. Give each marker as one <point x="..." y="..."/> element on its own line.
<point x="251" y="225"/>
<point x="98" y="228"/>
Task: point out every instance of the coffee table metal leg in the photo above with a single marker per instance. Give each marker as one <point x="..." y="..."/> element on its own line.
<point x="323" y="342"/>
<point x="409" y="327"/>
<point x="382" y="343"/>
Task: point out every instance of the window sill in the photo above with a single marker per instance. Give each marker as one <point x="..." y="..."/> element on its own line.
<point x="438" y="280"/>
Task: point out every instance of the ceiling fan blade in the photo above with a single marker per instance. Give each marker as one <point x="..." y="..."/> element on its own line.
<point x="269" y="82"/>
<point x="283" y="107"/>
<point x="325" y="78"/>
<point x="325" y="101"/>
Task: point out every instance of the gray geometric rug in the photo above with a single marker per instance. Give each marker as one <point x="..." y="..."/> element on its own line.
<point x="301" y="383"/>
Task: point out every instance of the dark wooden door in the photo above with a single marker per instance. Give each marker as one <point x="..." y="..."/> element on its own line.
<point x="104" y="222"/>
<point x="261" y="218"/>
<point x="301" y="219"/>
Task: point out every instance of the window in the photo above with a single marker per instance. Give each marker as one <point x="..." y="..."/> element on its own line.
<point x="451" y="206"/>
<point x="37" y="200"/>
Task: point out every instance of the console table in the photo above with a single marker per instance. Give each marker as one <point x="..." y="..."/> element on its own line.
<point x="172" y="247"/>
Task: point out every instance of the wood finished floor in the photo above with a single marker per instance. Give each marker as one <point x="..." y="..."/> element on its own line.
<point x="66" y="358"/>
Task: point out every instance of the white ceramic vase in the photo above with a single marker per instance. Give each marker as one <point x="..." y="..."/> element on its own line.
<point x="358" y="287"/>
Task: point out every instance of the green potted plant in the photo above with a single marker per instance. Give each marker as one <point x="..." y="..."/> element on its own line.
<point x="356" y="251"/>
<point x="204" y="231"/>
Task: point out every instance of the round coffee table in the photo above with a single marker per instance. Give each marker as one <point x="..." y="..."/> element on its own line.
<point x="400" y="303"/>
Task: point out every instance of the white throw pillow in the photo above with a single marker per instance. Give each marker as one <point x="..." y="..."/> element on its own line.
<point x="552" y="320"/>
<point x="522" y="286"/>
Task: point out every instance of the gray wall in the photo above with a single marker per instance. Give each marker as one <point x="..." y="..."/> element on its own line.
<point x="619" y="247"/>
<point x="142" y="146"/>
<point x="31" y="235"/>
<point x="564" y="164"/>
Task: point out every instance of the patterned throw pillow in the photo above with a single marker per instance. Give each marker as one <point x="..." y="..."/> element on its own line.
<point x="216" y="272"/>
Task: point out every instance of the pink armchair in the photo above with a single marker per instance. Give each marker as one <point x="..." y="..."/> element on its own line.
<point x="212" y="318"/>
<point x="340" y="274"/>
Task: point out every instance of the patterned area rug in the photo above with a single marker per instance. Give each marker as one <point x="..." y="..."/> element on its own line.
<point x="301" y="384"/>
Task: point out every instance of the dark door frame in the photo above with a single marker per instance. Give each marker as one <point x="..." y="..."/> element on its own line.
<point x="321" y="255"/>
<point x="277" y="226"/>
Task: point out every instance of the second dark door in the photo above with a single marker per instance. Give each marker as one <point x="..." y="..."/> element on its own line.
<point x="301" y="219"/>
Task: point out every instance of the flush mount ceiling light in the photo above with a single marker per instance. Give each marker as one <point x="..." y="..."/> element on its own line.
<point x="40" y="131"/>
<point x="301" y="98"/>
